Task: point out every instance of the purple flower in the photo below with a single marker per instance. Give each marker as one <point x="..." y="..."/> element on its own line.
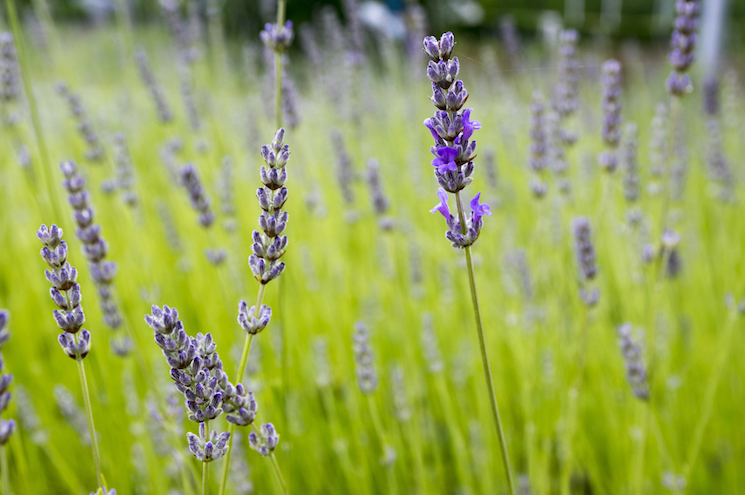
<point x="443" y="206"/>
<point x="431" y="126"/>
<point x="479" y="210"/>
<point x="468" y="125"/>
<point x="445" y="162"/>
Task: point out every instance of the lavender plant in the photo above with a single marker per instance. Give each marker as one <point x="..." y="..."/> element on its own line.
<point x="683" y="44"/>
<point x="451" y="128"/>
<point x="538" y="161"/>
<point x="95" y="152"/>
<point x="202" y="204"/>
<point x="380" y="201"/>
<point x="611" y="127"/>
<point x="267" y="249"/>
<point x="585" y="253"/>
<point x="95" y="248"/>
<point x="156" y="91"/>
<point x="630" y="164"/>
<point x="74" y="340"/>
<point x="636" y="372"/>
<point x="6" y="425"/>
<point x="197" y="372"/>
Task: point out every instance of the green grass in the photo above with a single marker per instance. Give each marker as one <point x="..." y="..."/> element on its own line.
<point x="340" y="271"/>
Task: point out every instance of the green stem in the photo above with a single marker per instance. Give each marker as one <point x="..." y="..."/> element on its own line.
<point x="35" y="119"/>
<point x="205" y="465"/>
<point x="278" y="473"/>
<point x="485" y="357"/>
<point x="278" y="62"/>
<point x="91" y="427"/>
<point x="711" y="391"/>
<point x="5" y="472"/>
<point x="666" y="189"/>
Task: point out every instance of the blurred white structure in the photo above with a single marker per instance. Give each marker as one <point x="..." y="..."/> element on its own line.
<point x="713" y="30"/>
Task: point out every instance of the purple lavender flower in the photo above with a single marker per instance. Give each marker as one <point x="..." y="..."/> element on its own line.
<point x="266" y="442"/>
<point x="379" y="199"/>
<point x="479" y="209"/>
<point x="156" y="91"/>
<point x="442" y="207"/>
<point x="611" y="114"/>
<point x="95" y="152"/>
<point x="10" y="77"/>
<point x="566" y="99"/>
<point x="197" y="197"/>
<point x="277" y="38"/>
<point x="270" y="246"/>
<point x="367" y="378"/>
<point x="539" y="145"/>
<point x="630" y="164"/>
<point x="683" y="44"/>
<point x="65" y="293"/>
<point x="445" y="160"/>
<point x="452" y="128"/>
<point x="6" y="425"/>
<point x="197" y="372"/>
<point x="585" y="254"/>
<point x="636" y="372"/>
<point x="95" y="249"/>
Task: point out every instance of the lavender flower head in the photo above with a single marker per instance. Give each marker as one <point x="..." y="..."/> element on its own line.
<point x="473" y="222"/>
<point x="539" y="146"/>
<point x="277" y="38"/>
<point x="95" y="249"/>
<point x="266" y="442"/>
<point x="566" y="99"/>
<point x="65" y="292"/>
<point x="451" y="128"/>
<point x="683" y="44"/>
<point x="636" y="372"/>
<point x="269" y="247"/>
<point x="6" y="426"/>
<point x="197" y="372"/>
<point x="367" y="378"/>
<point x="611" y="82"/>
<point x="10" y="87"/>
<point x="585" y="253"/>
<point x="197" y="197"/>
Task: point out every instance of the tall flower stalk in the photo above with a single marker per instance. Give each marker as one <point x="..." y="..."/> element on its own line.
<point x="6" y="426"/>
<point x="451" y="128"/>
<point x="268" y="247"/>
<point x="74" y="339"/>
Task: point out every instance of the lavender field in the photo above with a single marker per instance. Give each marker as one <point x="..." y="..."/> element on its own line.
<point x="278" y="261"/>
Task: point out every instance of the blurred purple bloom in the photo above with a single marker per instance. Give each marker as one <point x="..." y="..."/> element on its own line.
<point x="443" y="206"/>
<point x="445" y="162"/>
<point x="468" y="125"/>
<point x="479" y="210"/>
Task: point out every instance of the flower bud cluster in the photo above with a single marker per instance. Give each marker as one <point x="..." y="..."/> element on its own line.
<point x="94" y="249"/>
<point x="268" y="248"/>
<point x="197" y="197"/>
<point x="10" y="88"/>
<point x="197" y="370"/>
<point x="6" y="426"/>
<point x="636" y="372"/>
<point x="452" y="128"/>
<point x="611" y="82"/>
<point x="277" y="38"/>
<point x="585" y="254"/>
<point x="683" y="45"/>
<point x="266" y="442"/>
<point x="367" y="378"/>
<point x="156" y="90"/>
<point x="65" y="292"/>
<point x="539" y="145"/>
<point x="631" y="164"/>
<point x="95" y="151"/>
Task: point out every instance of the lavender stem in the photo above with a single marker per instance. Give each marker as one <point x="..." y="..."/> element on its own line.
<point x="275" y="464"/>
<point x="278" y="63"/>
<point x="484" y="355"/>
<point x="89" y="413"/>
<point x="205" y="465"/>
<point x="4" y="469"/>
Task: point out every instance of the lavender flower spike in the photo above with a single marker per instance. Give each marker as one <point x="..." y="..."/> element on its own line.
<point x="683" y="44"/>
<point x="277" y="38"/>
<point x="269" y="247"/>
<point x="611" y="114"/>
<point x="367" y="378"/>
<point x="65" y="293"/>
<point x="636" y="372"/>
<point x="6" y="426"/>
<point x="267" y="442"/>
<point x="95" y="249"/>
<point x="585" y="253"/>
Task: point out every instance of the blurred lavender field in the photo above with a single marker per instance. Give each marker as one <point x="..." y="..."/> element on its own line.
<point x="278" y="261"/>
